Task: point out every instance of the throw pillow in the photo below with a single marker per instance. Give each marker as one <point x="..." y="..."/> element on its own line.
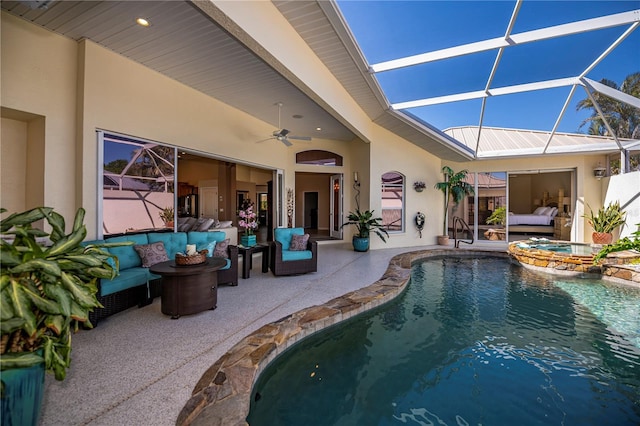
<point x="197" y="224"/>
<point x="205" y="225"/>
<point x="210" y="247"/>
<point x="299" y="242"/>
<point x="221" y="249"/>
<point x="151" y="253"/>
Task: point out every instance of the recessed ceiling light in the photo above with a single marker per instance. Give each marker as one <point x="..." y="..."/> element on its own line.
<point x="143" y="22"/>
<point x="297" y="116"/>
<point x="318" y="128"/>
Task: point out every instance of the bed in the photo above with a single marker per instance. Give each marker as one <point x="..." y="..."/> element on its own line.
<point x="539" y="221"/>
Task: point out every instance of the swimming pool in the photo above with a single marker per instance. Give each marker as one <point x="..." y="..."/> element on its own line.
<point x="472" y="341"/>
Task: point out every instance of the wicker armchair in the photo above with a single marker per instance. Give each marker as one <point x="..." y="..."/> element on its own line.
<point x="285" y="262"/>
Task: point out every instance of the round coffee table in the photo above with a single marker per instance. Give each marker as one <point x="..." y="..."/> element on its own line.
<point x="188" y="289"/>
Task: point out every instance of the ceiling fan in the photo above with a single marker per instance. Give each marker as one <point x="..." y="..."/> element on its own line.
<point x="283" y="134"/>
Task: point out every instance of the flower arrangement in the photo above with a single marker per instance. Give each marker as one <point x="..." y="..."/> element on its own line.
<point x="419" y="186"/>
<point x="247" y="217"/>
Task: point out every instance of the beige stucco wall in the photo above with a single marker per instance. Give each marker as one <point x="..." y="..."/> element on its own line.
<point x="39" y="77"/>
<point x="391" y="153"/>
<point x="13" y="162"/>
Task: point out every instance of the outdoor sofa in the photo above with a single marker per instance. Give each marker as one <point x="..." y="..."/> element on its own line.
<point x="136" y="285"/>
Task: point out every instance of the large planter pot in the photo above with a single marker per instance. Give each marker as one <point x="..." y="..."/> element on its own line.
<point x="602" y="237"/>
<point x="443" y="240"/>
<point x="23" y="391"/>
<point x="248" y="240"/>
<point x="360" y="244"/>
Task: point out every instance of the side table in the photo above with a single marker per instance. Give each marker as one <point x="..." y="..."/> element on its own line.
<point x="188" y="289"/>
<point x="247" y="258"/>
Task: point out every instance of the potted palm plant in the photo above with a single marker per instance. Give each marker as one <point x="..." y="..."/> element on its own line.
<point x="455" y="188"/>
<point x="365" y="223"/>
<point x="605" y="221"/>
<point x="47" y="288"/>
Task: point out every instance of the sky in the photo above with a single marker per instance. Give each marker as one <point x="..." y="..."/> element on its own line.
<point x="388" y="30"/>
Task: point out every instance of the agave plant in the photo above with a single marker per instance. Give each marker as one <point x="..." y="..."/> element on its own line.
<point x="46" y="290"/>
<point x="607" y="218"/>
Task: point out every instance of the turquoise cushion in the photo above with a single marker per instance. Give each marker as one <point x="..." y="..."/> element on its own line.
<point x="288" y="255"/>
<point x="128" y="278"/>
<point x="174" y="242"/>
<point x="209" y="246"/>
<point x="127" y="255"/>
<point x="283" y="236"/>
<point x="228" y="265"/>
<point x="198" y="238"/>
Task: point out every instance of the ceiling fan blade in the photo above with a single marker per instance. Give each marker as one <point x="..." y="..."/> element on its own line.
<point x="266" y="139"/>
<point x="285" y="141"/>
<point x="300" y="138"/>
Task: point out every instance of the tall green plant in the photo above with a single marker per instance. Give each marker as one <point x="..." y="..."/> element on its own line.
<point x="46" y="290"/>
<point x="455" y="188"/>
<point x="365" y="223"/>
<point x="607" y="218"/>
<point x="498" y="217"/>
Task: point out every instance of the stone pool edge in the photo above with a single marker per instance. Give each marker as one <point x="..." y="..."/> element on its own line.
<point x="222" y="396"/>
<point x="615" y="268"/>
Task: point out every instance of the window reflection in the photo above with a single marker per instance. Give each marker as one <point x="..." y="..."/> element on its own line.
<point x="138" y="185"/>
<point x="393" y="201"/>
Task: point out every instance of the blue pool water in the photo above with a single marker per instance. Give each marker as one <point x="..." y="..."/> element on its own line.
<point x="569" y="248"/>
<point x="473" y="341"/>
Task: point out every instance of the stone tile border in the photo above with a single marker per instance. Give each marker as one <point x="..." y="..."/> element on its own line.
<point x="615" y="267"/>
<point x="222" y="395"/>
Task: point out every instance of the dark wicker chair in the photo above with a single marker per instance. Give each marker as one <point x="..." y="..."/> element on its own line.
<point x="292" y="267"/>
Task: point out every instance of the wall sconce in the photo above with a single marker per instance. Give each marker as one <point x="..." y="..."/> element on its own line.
<point x="599" y="172"/>
<point x="356" y="182"/>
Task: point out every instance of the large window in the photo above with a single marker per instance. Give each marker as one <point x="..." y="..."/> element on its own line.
<point x="137" y="184"/>
<point x="393" y="201"/>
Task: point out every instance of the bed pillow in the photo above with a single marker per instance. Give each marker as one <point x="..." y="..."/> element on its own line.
<point x="553" y="212"/>
<point x="540" y="210"/>
<point x="150" y="254"/>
